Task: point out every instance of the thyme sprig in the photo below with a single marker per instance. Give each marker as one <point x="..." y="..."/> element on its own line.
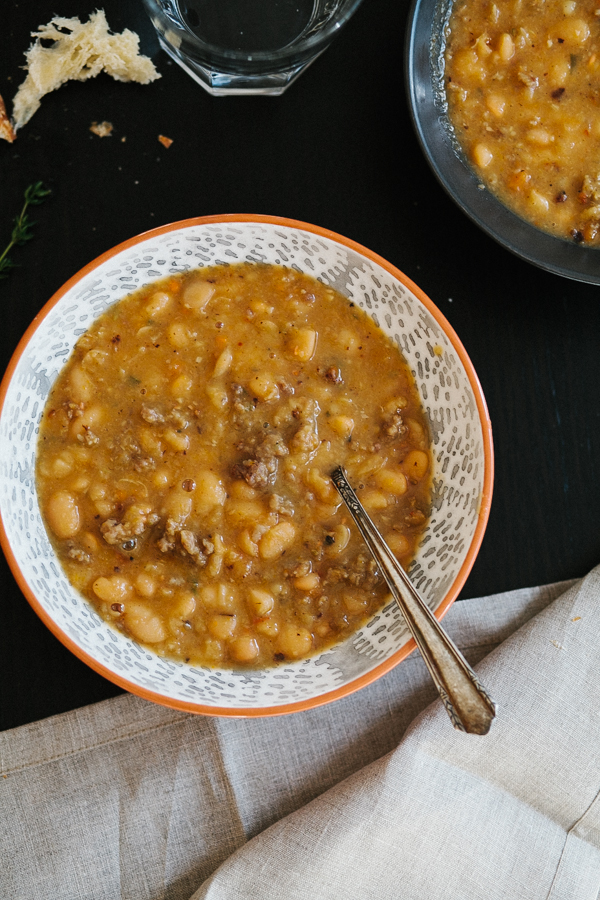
<point x="21" y="233"/>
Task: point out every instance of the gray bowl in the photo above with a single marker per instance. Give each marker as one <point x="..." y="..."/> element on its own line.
<point x="424" y="59"/>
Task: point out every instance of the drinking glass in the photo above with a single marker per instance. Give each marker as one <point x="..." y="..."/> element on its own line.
<point x="247" y="46"/>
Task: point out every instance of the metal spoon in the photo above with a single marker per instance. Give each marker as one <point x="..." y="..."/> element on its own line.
<point x="468" y="704"/>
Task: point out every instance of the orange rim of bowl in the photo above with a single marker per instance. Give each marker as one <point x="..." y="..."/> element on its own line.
<point x="484" y="506"/>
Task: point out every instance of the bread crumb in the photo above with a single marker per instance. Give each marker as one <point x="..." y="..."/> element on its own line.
<point x="6" y="130"/>
<point x="165" y="141"/>
<point x="79" y="51"/>
<point x="102" y="129"/>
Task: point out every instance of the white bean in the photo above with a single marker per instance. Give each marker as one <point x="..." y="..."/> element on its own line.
<point x="158" y="303"/>
<point x="294" y="641"/>
<point x="222" y="626"/>
<point x="244" y="648"/>
<point x="261" y="602"/>
<point x="112" y="590"/>
<point x="277" y="540"/>
<point x="197" y="294"/>
<point x="416" y="465"/>
<point x="62" y="514"/>
<point x="143" y="623"/>
<point x="223" y="363"/>
<point x="210" y="492"/>
<point x="303" y="344"/>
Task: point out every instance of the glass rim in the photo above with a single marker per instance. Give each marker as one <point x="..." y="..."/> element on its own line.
<point x="314" y="43"/>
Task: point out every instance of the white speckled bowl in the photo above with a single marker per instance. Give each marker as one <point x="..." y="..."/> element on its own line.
<point x="450" y="393"/>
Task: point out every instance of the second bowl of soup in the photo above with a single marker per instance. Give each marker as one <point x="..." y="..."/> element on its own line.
<point x="500" y="99"/>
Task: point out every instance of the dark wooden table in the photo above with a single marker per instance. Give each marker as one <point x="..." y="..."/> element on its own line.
<point x="336" y="150"/>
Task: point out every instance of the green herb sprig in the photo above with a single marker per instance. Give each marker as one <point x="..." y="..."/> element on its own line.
<point x="21" y="233"/>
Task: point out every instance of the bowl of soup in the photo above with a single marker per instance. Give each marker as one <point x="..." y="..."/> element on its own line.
<point x="169" y="425"/>
<point x="500" y="100"/>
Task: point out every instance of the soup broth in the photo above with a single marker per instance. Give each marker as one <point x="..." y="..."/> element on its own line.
<point x="184" y="460"/>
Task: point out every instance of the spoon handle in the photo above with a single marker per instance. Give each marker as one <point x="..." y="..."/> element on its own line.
<point x="468" y="704"/>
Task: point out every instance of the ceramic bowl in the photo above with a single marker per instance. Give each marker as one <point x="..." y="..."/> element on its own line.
<point x="450" y="393"/>
<point x="424" y="60"/>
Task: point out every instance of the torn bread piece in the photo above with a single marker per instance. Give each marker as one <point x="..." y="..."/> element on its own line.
<point x="6" y="130"/>
<point x="80" y="51"/>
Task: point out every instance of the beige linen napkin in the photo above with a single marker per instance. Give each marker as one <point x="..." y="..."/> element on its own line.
<point x="125" y="799"/>
<point x="514" y="815"/>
